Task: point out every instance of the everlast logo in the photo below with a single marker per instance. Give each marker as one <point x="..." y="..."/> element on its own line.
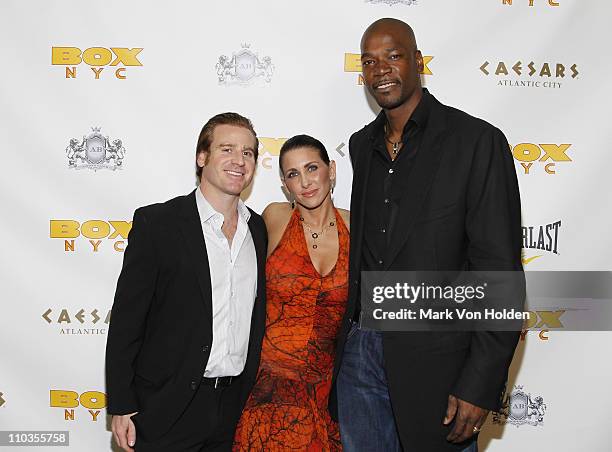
<point x="118" y="58"/>
<point x="94" y="230"/>
<point x="543" y="237"/>
<point x="542" y="155"/>
<point x="93" y="401"/>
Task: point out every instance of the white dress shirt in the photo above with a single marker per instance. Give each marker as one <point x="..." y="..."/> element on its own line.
<point x="233" y="277"/>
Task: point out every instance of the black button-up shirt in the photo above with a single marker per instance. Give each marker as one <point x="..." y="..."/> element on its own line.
<point x="386" y="182"/>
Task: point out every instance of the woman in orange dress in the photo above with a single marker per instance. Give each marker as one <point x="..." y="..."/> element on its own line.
<point x="306" y="284"/>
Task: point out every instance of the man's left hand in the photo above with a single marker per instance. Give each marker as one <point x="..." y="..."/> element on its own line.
<point x="468" y="419"/>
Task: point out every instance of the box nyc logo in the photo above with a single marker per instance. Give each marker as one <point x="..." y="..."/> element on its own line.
<point x="115" y="59"/>
<point x="352" y="63"/>
<point x="93" y="401"/>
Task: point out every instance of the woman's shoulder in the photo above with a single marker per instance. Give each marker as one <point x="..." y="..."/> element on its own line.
<point x="276" y="214"/>
<point x="276" y="210"/>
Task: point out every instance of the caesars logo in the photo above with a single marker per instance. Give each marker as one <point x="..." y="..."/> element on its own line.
<point x="530" y="75"/>
<point x="95" y="151"/>
<point x="115" y="59"/>
<point x="244" y="67"/>
<point x="78" y="322"/>
<point x="521" y="408"/>
<point x="531" y="2"/>
<point x="95" y="231"/>
<point x="535" y="158"/>
<point x="352" y="63"/>
<point x="392" y="2"/>
<point x="92" y="401"/>
<point x="541" y="239"/>
<point x="269" y="150"/>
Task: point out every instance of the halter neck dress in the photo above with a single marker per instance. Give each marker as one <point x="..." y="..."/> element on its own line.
<point x="287" y="408"/>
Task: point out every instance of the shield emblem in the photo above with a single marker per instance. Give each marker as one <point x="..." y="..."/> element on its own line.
<point x="519" y="404"/>
<point x="95" y="149"/>
<point x="245" y="65"/>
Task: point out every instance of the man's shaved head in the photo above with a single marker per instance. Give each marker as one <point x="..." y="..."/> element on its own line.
<point x="391" y="64"/>
<point x="400" y="29"/>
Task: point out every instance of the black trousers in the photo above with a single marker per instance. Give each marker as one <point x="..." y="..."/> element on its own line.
<point x="208" y="423"/>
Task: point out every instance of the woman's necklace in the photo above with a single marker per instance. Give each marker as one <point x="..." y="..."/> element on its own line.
<point x="395" y="145"/>
<point x="314" y="234"/>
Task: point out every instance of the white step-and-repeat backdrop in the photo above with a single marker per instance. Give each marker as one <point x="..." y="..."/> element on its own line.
<point x="101" y="105"/>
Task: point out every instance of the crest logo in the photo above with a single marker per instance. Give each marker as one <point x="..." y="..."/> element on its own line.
<point x="244" y="67"/>
<point x="95" y="151"/>
<point x="392" y="2"/>
<point x="521" y="408"/>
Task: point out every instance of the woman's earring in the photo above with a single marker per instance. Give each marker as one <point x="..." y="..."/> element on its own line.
<point x="292" y="200"/>
<point x="333" y="185"/>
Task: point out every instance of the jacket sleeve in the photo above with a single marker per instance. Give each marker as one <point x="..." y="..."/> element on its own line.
<point x="493" y="227"/>
<point x="352" y="150"/>
<point x="133" y="297"/>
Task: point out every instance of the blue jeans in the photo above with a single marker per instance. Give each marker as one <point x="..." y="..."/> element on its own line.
<point x="364" y="406"/>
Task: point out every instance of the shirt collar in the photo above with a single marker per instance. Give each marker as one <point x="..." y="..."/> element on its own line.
<point x="419" y="116"/>
<point x="206" y="211"/>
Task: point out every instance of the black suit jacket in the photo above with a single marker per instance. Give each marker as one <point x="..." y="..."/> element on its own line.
<point x="160" y="332"/>
<point x="460" y="210"/>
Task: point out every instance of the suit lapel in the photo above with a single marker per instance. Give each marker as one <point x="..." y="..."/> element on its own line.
<point x="419" y="182"/>
<point x="260" y="250"/>
<point x="195" y="248"/>
<point x="360" y="182"/>
<point x="259" y="313"/>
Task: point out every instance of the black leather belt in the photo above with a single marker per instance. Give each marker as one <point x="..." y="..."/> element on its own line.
<point x="219" y="382"/>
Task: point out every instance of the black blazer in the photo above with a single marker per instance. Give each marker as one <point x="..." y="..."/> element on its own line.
<point x="461" y="210"/>
<point x="160" y="332"/>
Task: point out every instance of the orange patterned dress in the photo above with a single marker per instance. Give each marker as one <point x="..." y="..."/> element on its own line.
<point x="287" y="408"/>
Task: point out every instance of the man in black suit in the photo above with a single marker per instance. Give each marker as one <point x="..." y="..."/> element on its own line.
<point x="433" y="189"/>
<point x="188" y="317"/>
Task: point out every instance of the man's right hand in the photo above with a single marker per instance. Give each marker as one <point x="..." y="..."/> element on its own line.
<point x="124" y="431"/>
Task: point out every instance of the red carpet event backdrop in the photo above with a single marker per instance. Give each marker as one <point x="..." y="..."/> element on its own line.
<point x="102" y="103"/>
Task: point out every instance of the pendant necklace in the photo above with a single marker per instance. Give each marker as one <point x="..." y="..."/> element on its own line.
<point x="314" y="234"/>
<point x="395" y="145"/>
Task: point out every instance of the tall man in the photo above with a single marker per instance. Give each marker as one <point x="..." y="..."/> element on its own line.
<point x="188" y="318"/>
<point x="433" y="189"/>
